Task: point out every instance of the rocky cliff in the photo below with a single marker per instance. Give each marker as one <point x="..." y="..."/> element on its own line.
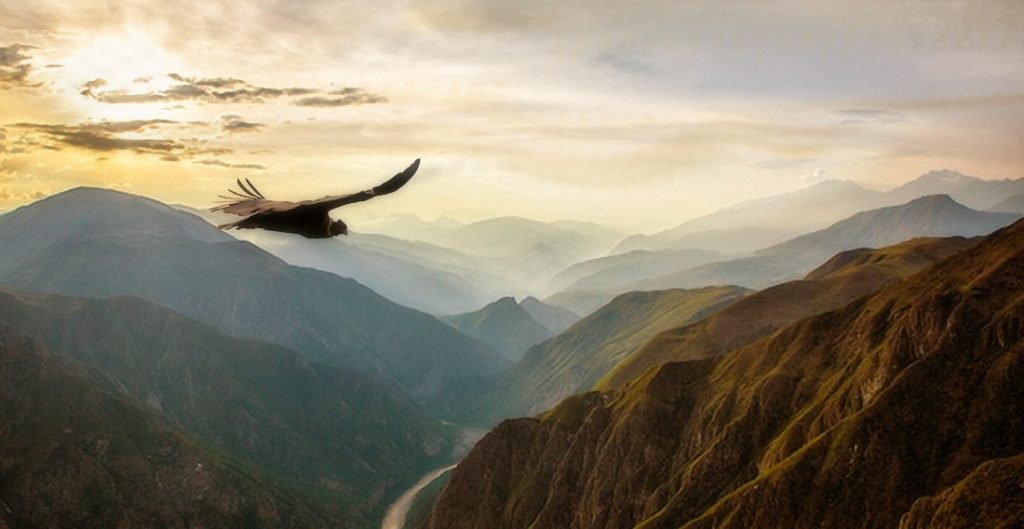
<point x="905" y="407"/>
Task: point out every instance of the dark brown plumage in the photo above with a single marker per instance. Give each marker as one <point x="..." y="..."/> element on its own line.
<point x="308" y="218"/>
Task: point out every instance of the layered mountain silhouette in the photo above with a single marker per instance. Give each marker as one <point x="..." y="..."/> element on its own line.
<point x="526" y="252"/>
<point x="973" y="192"/>
<point x="930" y="216"/>
<point x="611" y="273"/>
<point x="416" y="274"/>
<point x="901" y="409"/>
<point x="1014" y="204"/>
<point x="76" y="455"/>
<point x="504" y="325"/>
<point x="314" y="430"/>
<point x="101" y="243"/>
<point x="759" y="223"/>
<point x="556" y="319"/>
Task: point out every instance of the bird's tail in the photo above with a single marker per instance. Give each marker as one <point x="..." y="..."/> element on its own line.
<point x="230" y="225"/>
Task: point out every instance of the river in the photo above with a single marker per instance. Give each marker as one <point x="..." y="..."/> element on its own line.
<point x="394" y="518"/>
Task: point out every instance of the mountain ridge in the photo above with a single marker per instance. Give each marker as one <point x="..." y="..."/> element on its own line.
<point x="866" y="416"/>
<point x="98" y="243"/>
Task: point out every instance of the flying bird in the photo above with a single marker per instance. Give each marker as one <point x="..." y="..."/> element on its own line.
<point x="308" y="218"/>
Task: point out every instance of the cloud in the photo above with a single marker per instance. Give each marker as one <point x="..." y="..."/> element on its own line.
<point x="815" y="176"/>
<point x="625" y="61"/>
<point x="879" y="116"/>
<point x="340" y="98"/>
<point x="220" y="163"/>
<point x="224" y="90"/>
<point x="234" y="124"/>
<point x="7" y="195"/>
<point x="14" y="66"/>
<point x="107" y="136"/>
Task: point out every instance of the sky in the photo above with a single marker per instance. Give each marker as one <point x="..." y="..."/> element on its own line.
<point x="638" y="114"/>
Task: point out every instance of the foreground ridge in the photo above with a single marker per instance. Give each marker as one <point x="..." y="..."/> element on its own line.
<point x="879" y="414"/>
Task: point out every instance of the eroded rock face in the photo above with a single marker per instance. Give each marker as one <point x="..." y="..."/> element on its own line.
<point x="894" y="407"/>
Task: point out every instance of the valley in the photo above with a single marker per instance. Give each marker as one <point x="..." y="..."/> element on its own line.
<point x="347" y="404"/>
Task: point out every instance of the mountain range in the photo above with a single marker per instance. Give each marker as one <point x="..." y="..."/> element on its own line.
<point x="76" y="455"/>
<point x="839" y="281"/>
<point x="313" y="430"/>
<point x="101" y="243"/>
<point x="575" y="359"/>
<point x="556" y="319"/>
<point x="901" y="409"/>
<point x="504" y="325"/>
<point x="930" y="216"/>
<point x="759" y="223"/>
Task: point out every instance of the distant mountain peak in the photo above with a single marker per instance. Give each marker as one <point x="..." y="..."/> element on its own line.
<point x="946" y="175"/>
<point x="504" y="325"/>
<point x="935" y="200"/>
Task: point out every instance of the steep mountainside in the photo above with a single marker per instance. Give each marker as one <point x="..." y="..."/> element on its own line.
<point x="77" y="456"/>
<point x="575" y="359"/>
<point x="503" y="325"/>
<point x="100" y="243"/>
<point x="931" y="216"/>
<point x="842" y="279"/>
<point x="556" y="319"/>
<point x="316" y="430"/>
<point x="903" y="407"/>
<point x="755" y="224"/>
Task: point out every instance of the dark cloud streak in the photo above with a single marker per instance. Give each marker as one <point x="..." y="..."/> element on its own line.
<point x="14" y="65"/>
<point x="107" y="136"/>
<point x="344" y="97"/>
<point x="223" y="90"/>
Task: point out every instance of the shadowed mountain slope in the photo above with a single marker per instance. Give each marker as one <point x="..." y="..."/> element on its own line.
<point x="100" y="243"/>
<point x="504" y="325"/>
<point x="842" y="279"/>
<point x="75" y="455"/>
<point x="879" y="413"/>
<point x="316" y="430"/>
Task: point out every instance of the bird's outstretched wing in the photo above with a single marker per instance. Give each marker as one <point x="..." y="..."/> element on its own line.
<point x="250" y="201"/>
<point x="393" y="184"/>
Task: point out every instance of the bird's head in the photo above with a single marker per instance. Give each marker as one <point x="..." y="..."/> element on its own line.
<point x="338" y="228"/>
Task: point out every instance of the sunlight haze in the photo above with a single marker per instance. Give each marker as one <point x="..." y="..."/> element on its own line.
<point x="639" y="115"/>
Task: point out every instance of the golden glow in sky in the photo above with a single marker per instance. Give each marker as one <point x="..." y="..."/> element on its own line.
<point x="636" y="114"/>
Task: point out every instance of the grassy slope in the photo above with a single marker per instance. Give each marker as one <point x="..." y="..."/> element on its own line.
<point x="846" y="419"/>
<point x="844" y="278"/>
<point x="572" y="361"/>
